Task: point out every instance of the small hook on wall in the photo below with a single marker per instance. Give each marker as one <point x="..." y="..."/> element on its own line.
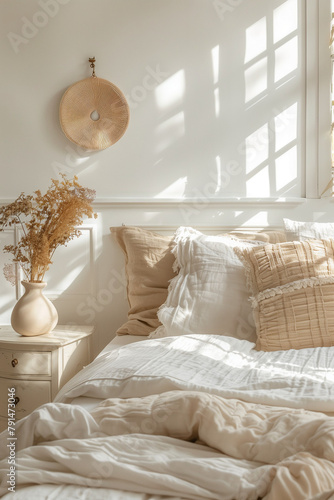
<point x="92" y="65"/>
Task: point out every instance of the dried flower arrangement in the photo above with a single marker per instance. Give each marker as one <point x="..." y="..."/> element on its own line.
<point x="47" y="221"/>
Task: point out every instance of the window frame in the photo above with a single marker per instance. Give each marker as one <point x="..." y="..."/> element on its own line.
<point x="318" y="99"/>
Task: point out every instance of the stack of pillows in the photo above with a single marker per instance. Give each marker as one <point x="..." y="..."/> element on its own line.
<point x="273" y="288"/>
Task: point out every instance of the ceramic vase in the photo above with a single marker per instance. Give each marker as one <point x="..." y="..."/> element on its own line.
<point x="34" y="314"/>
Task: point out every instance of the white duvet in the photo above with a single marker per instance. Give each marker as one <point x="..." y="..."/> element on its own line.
<point x="206" y="417"/>
<point x="219" y="365"/>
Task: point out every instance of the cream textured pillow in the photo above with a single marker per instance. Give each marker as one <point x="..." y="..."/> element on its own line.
<point x="293" y="293"/>
<point x="149" y="268"/>
<point x="209" y="295"/>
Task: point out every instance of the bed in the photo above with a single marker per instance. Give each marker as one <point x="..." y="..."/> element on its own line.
<point x="220" y="385"/>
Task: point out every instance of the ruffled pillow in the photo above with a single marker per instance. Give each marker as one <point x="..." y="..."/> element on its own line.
<point x="209" y="295"/>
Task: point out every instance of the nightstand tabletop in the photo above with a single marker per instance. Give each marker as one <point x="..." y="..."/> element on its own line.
<point x="60" y="336"/>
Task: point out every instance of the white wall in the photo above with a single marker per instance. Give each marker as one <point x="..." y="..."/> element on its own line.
<point x="229" y="123"/>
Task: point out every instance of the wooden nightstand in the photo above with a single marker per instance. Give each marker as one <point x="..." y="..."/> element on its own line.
<point x="37" y="367"/>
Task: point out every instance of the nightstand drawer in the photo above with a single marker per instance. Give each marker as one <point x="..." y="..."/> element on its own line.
<point x="24" y="363"/>
<point x="30" y="394"/>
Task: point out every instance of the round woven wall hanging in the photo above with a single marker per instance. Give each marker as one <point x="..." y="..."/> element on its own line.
<point x="94" y="113"/>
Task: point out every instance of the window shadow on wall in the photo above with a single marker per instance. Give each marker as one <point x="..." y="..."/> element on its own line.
<point x="240" y="102"/>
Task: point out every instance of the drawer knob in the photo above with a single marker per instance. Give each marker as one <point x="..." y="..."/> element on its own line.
<point x="16" y="400"/>
<point x="14" y="362"/>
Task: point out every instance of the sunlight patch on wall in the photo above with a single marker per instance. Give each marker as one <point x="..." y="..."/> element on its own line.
<point x="215" y="77"/>
<point x="258" y="220"/>
<point x="217" y="102"/>
<point x="171" y="91"/>
<point x="64" y="282"/>
<point x="169" y="131"/>
<point x="286" y="127"/>
<point x="286" y="59"/>
<point x="285" y="19"/>
<point x="219" y="174"/>
<point x="256" y="79"/>
<point x="175" y="190"/>
<point x="257" y="148"/>
<point x="286" y="168"/>
<point x="79" y="161"/>
<point x="72" y="274"/>
<point x="215" y="64"/>
<point x="74" y="261"/>
<point x="256" y="39"/>
<point x="258" y="184"/>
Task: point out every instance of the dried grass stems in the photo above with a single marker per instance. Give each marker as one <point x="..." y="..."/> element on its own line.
<point x="47" y="221"/>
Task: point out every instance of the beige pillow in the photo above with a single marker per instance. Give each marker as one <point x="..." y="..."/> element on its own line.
<point x="293" y="293"/>
<point x="149" y="268"/>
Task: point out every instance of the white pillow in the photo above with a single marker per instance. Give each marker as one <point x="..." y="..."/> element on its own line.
<point x="299" y="231"/>
<point x="209" y="295"/>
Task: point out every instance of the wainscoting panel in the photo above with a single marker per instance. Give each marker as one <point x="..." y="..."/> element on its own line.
<point x="87" y="280"/>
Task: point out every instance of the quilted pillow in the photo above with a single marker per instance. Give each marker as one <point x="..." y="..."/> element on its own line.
<point x="209" y="295"/>
<point x="293" y="293"/>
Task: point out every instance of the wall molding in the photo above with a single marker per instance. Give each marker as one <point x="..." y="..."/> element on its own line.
<point x="197" y="202"/>
<point x="210" y="229"/>
<point x="194" y="202"/>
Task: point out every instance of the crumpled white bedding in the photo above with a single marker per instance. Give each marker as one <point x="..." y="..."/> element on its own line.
<point x="147" y="445"/>
<point x="225" y="366"/>
<point x="116" y="446"/>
